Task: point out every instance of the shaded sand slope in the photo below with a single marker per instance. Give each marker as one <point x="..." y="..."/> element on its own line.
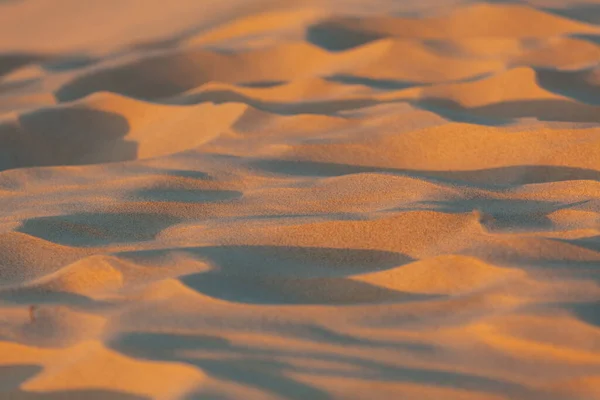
<point x="338" y="199"/>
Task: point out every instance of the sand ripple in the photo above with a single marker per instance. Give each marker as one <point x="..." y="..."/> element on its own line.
<point x="314" y="200"/>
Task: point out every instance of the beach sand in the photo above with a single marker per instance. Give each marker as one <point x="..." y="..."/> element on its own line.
<point x="328" y="199"/>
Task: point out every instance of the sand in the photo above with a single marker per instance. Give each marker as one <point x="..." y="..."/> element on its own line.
<point x="328" y="199"/>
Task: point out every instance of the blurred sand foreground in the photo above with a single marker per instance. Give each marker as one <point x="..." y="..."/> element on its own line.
<point x="333" y="199"/>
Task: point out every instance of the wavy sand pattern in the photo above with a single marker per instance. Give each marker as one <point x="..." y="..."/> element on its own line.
<point x="333" y="199"/>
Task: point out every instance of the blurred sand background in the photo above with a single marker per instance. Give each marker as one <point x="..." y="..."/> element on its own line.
<point x="329" y="199"/>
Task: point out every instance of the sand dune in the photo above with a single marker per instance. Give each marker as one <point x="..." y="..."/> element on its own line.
<point x="336" y="199"/>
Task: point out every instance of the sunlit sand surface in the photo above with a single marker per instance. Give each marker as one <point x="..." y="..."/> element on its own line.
<point x="305" y="200"/>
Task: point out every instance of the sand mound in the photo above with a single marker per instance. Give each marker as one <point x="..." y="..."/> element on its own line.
<point x="477" y="20"/>
<point x="86" y="276"/>
<point x="25" y="257"/>
<point x="440" y="275"/>
<point x="116" y="129"/>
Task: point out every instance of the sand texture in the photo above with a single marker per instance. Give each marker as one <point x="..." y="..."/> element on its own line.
<point x="304" y="200"/>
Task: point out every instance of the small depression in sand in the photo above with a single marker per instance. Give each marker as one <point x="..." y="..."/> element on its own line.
<point x="93" y="229"/>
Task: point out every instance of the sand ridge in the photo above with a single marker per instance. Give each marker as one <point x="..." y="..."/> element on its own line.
<point x="337" y="199"/>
